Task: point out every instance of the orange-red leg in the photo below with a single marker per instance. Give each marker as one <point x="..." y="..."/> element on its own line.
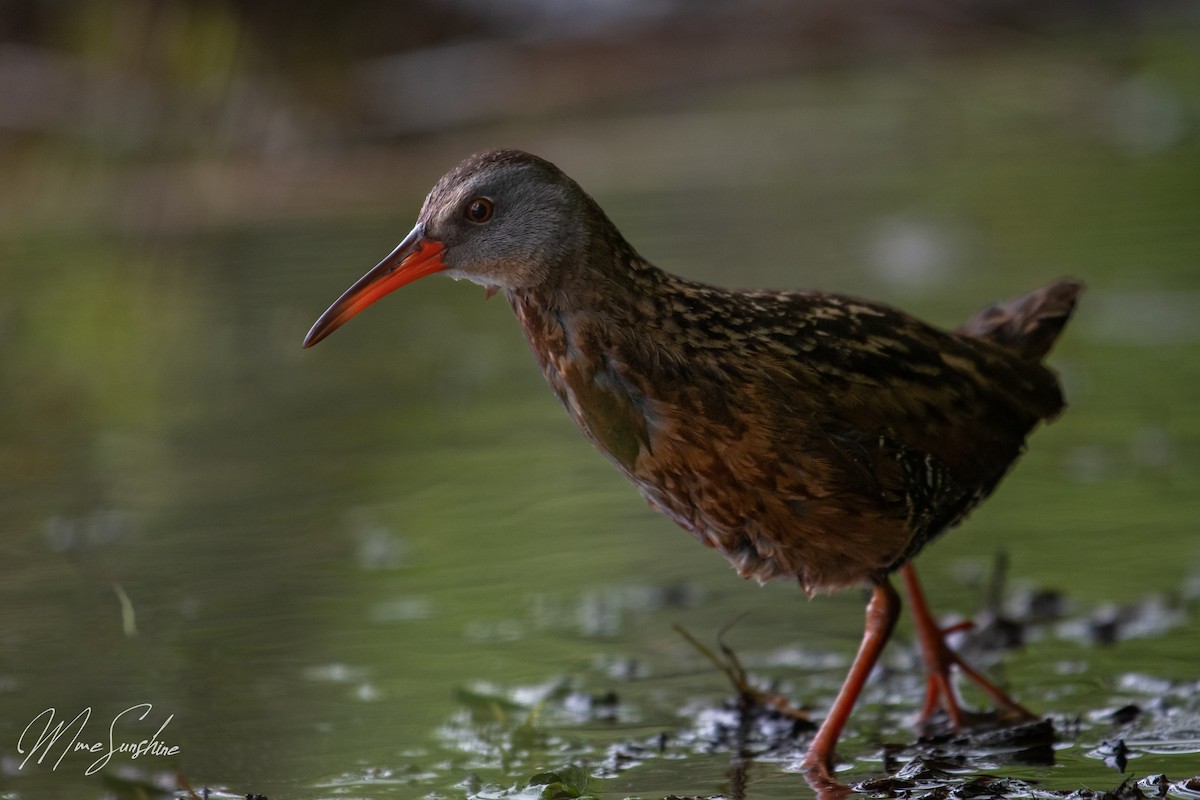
<point x="939" y="658"/>
<point x="882" y="612"/>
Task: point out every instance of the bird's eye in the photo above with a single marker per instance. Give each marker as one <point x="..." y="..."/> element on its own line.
<point x="479" y="210"/>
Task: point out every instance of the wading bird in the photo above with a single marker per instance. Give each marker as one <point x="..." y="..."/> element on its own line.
<point x="806" y="436"/>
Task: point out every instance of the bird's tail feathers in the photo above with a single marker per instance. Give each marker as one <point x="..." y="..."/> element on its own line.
<point x="1030" y="324"/>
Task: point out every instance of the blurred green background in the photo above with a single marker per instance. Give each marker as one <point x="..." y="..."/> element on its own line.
<point x="390" y="566"/>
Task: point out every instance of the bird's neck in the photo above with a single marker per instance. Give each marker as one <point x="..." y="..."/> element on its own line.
<point x="583" y="335"/>
<point x="580" y="326"/>
<point x="605" y="279"/>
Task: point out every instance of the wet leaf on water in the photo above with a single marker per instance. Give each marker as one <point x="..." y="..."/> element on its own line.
<point x="992" y="735"/>
<point x="490" y="705"/>
<point x="1114" y="753"/>
<point x="1128" y="790"/>
<point x="564" y="784"/>
<point x="1189" y="788"/>
<point x="1156" y="785"/>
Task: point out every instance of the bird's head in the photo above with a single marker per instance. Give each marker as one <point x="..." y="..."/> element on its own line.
<point x="503" y="219"/>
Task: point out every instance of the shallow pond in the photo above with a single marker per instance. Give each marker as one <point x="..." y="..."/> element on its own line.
<point x="390" y="567"/>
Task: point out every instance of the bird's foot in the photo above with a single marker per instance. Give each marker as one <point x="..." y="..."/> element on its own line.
<point x="940" y="660"/>
<point x="940" y="694"/>
<point x="819" y="776"/>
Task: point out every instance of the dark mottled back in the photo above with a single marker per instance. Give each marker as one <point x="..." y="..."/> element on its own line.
<point x="804" y="435"/>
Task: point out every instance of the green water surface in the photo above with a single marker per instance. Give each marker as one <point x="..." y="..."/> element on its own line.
<point x="390" y="567"/>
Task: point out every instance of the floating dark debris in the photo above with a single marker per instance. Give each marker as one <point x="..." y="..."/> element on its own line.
<point x="1114" y="753"/>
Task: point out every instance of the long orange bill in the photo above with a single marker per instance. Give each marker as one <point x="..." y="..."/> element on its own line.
<point x="413" y="258"/>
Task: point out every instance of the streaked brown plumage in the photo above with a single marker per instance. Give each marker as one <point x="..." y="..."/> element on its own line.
<point x="805" y="436"/>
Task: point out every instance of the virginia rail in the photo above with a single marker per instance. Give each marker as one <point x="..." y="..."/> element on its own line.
<point x="807" y="436"/>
